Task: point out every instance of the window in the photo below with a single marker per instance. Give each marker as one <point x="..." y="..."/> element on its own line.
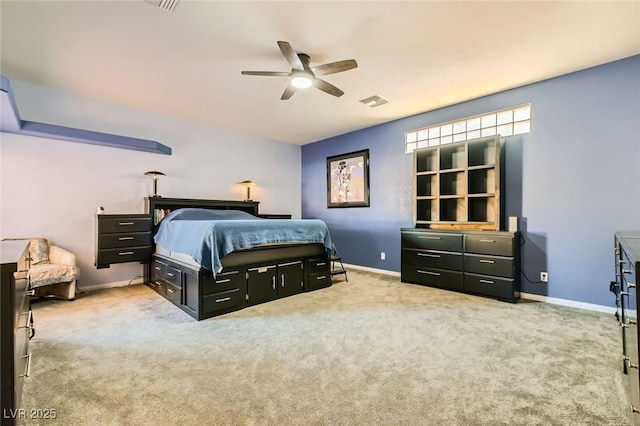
<point x="507" y="122"/>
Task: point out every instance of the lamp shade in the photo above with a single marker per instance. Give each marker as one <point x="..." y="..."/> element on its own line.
<point x="249" y="184"/>
<point x="155" y="175"/>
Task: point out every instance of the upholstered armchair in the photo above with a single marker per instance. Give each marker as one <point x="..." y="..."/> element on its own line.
<point x="53" y="270"/>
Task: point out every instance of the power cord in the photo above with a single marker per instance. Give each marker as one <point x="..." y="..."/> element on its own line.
<point x="522" y="242"/>
<point x="131" y="280"/>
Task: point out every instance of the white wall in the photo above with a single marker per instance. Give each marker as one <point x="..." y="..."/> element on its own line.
<point x="52" y="188"/>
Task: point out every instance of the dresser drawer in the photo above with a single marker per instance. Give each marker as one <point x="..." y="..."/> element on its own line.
<point x="498" y="245"/>
<point x="437" y="277"/>
<point x="131" y="239"/>
<point x="124" y="223"/>
<point x="489" y="265"/>
<point x="125" y="254"/>
<point x="432" y="259"/>
<point x="223" y="300"/>
<point x="489" y="286"/>
<point x="432" y="240"/>
<point x="317" y="265"/>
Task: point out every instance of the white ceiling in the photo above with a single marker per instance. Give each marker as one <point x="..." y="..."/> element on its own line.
<point x="420" y="55"/>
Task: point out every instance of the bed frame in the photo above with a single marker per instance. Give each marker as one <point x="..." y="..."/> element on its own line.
<point x="248" y="277"/>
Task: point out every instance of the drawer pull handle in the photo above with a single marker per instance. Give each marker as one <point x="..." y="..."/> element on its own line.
<point x="437" y="256"/>
<point x="157" y="268"/>
<point x="125" y="253"/>
<point x="487" y="281"/>
<point x="630" y="364"/>
<point x="125" y="238"/>
<point x="125" y="223"/>
<point x="223" y="281"/>
<point x="31" y="292"/>
<point x="631" y="285"/>
<point x="627" y="271"/>
<point x="170" y="290"/>
<point x="223" y="299"/>
<point x="437" y="274"/>
<point x="321" y="264"/>
<point x="27" y="326"/>
<point x="282" y="280"/>
<point x="322" y="277"/>
<point x="635" y="409"/>
<point x="487" y="241"/>
<point x="170" y="274"/>
<point x="632" y="321"/>
<point x="422" y="237"/>
<point x="27" y="370"/>
<point x="487" y="261"/>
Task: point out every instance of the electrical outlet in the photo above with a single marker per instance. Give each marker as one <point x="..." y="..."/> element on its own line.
<point x="382" y="255"/>
<point x="544" y="277"/>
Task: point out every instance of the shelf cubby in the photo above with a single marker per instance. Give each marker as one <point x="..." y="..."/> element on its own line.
<point x="426" y="185"/>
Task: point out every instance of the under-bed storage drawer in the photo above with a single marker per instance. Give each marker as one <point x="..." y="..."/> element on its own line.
<point x="223" y="300"/>
<point x="225" y="280"/>
<point x="318" y="275"/>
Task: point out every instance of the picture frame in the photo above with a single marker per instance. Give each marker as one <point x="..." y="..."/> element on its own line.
<point x="348" y="180"/>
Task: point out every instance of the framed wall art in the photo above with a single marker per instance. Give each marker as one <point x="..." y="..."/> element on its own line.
<point x="348" y="180"/>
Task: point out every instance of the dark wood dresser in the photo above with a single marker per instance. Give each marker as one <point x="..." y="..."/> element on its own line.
<point x="627" y="256"/>
<point x="486" y="263"/>
<point x="16" y="325"/>
<point x="122" y="238"/>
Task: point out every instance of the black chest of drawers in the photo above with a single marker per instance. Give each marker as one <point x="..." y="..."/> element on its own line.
<point x="627" y="256"/>
<point x="122" y="238"/>
<point x="16" y="326"/>
<point x="480" y="262"/>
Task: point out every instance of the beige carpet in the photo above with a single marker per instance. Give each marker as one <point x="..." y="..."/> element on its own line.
<point x="372" y="351"/>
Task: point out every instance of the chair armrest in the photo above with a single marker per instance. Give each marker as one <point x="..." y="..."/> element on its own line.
<point x="61" y="256"/>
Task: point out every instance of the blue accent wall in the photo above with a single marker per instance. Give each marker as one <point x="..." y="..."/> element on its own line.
<point x="573" y="181"/>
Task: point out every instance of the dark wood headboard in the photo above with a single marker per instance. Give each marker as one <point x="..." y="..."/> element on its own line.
<point x="159" y="207"/>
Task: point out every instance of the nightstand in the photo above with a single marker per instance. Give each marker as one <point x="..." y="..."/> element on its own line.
<point x="122" y="238"/>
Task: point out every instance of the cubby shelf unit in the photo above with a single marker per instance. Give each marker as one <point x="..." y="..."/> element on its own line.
<point x="457" y="185"/>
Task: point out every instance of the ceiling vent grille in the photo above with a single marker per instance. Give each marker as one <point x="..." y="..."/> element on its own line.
<point x="168" y="5"/>
<point x="374" y="101"/>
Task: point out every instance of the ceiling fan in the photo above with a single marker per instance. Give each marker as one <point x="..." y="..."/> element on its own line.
<point x="303" y="75"/>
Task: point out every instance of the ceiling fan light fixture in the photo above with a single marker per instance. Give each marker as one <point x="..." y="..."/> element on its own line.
<point x="301" y="81"/>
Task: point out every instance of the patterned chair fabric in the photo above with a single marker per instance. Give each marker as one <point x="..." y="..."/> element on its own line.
<point x="53" y="270"/>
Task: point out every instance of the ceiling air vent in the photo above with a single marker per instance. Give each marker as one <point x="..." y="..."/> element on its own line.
<point x="374" y="101"/>
<point x="168" y="5"/>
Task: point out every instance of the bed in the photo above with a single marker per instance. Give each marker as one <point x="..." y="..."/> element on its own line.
<point x="214" y="256"/>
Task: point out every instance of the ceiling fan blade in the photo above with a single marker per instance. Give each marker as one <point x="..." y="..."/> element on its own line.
<point x="288" y="93"/>
<point x="335" y="67"/>
<point x="267" y="73"/>
<point x="327" y="87"/>
<point x="290" y="55"/>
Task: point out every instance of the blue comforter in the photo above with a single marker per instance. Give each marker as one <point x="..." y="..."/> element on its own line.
<point x="208" y="235"/>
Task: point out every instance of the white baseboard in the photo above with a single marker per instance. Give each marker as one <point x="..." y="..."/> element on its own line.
<point x="569" y="303"/>
<point x="136" y="280"/>
<point x="378" y="271"/>
<point x="527" y="296"/>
